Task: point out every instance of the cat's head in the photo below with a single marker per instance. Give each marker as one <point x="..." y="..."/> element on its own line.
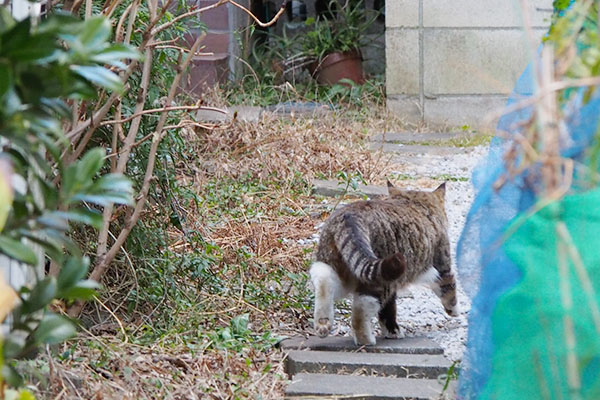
<point x="438" y="194"/>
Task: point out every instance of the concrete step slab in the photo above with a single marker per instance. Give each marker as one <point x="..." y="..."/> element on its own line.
<point x="242" y="113"/>
<point x="410" y="137"/>
<point x="415" y="149"/>
<point x="400" y="365"/>
<point x="306" y="108"/>
<point x="333" y="188"/>
<point x="315" y="386"/>
<point x="416" y="345"/>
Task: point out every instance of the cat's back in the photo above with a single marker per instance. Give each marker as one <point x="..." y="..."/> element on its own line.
<point x="409" y="219"/>
<point x="413" y="207"/>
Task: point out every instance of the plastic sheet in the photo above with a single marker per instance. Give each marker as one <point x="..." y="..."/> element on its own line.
<point x="517" y="348"/>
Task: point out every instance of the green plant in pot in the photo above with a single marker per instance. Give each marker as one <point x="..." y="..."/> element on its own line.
<point x="335" y="43"/>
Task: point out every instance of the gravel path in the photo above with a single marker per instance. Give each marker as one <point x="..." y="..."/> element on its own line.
<point x="420" y="312"/>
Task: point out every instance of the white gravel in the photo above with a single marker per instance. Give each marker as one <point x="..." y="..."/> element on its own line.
<point x="420" y="312"/>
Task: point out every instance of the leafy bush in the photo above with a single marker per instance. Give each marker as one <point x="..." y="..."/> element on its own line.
<point x="41" y="66"/>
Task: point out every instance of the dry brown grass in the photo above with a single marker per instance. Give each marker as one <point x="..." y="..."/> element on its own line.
<point x="282" y="154"/>
<point x="281" y="147"/>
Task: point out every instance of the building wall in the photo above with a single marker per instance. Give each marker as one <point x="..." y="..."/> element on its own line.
<point x="451" y="62"/>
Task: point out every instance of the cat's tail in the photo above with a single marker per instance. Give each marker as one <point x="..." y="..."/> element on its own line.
<point x="355" y="248"/>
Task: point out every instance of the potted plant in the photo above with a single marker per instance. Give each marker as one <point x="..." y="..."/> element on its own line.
<point x="334" y="43"/>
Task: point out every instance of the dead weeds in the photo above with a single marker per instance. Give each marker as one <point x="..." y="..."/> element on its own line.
<point x="252" y="212"/>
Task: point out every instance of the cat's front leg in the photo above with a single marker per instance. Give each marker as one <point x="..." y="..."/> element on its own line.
<point x="364" y="308"/>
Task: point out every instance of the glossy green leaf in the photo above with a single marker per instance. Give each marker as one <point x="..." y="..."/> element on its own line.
<point x="115" y="54"/>
<point x="99" y="76"/>
<point x="11" y="376"/>
<point x="5" y="79"/>
<point x="90" y="164"/>
<point x="41" y="295"/>
<point x="82" y="215"/>
<point x="72" y="272"/>
<point x="239" y="324"/>
<point x="54" y="221"/>
<point x="22" y="394"/>
<point x="19" y="44"/>
<point x="113" y="183"/>
<point x="105" y="198"/>
<point x="84" y="290"/>
<point x="54" y="329"/>
<point x="6" y="20"/>
<point x="17" y="250"/>
<point x="61" y="22"/>
<point x="51" y="245"/>
<point x="95" y="33"/>
<point x="12" y="345"/>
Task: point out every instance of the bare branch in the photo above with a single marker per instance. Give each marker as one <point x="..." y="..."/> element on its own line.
<point x="182" y="49"/>
<point x="162" y="110"/>
<point x="99" y="115"/>
<point x="119" y="28"/>
<point x="104" y="261"/>
<point x="164" y="26"/>
<point x="258" y="22"/>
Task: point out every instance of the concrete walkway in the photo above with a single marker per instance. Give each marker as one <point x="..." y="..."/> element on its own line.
<point x="416" y="153"/>
<point x="334" y="367"/>
<point x="409" y="368"/>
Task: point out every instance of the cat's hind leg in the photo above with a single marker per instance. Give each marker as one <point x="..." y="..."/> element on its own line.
<point x="388" y="319"/>
<point x="364" y="309"/>
<point x="445" y="285"/>
<point x="328" y="288"/>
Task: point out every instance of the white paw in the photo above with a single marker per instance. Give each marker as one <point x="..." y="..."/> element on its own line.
<point x="364" y="339"/>
<point x="453" y="312"/>
<point x="322" y="326"/>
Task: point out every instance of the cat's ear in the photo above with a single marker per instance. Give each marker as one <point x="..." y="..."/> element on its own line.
<point x="393" y="190"/>
<point x="441" y="189"/>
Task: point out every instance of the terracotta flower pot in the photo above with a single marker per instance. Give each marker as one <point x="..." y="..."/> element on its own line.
<point x="337" y="66"/>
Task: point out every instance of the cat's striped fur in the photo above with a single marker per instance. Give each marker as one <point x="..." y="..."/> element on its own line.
<point x="372" y="249"/>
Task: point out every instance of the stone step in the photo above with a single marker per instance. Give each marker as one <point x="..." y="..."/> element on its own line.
<point x="314" y="386"/>
<point x="416" y="149"/>
<point x="306" y="108"/>
<point x="417" y="345"/>
<point x="333" y="188"/>
<point x="400" y="365"/>
<point x="241" y="113"/>
<point x="409" y="137"/>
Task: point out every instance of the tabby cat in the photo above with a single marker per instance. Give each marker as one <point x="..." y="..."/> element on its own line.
<point x="372" y="249"/>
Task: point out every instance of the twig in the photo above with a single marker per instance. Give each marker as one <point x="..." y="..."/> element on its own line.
<point x="115" y="317"/>
<point x="179" y="48"/>
<point x="553" y="87"/>
<point x="566" y="298"/>
<point x="162" y="110"/>
<point x="582" y="274"/>
<point x="103" y="262"/>
<point x="119" y="36"/>
<point x="258" y="21"/>
<point x="166" y="25"/>
<point x="217" y="4"/>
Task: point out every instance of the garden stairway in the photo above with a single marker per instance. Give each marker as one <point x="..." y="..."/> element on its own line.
<point x="334" y="367"/>
<point x="410" y="368"/>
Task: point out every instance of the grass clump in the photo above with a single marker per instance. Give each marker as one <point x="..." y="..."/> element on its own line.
<point x="215" y="273"/>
